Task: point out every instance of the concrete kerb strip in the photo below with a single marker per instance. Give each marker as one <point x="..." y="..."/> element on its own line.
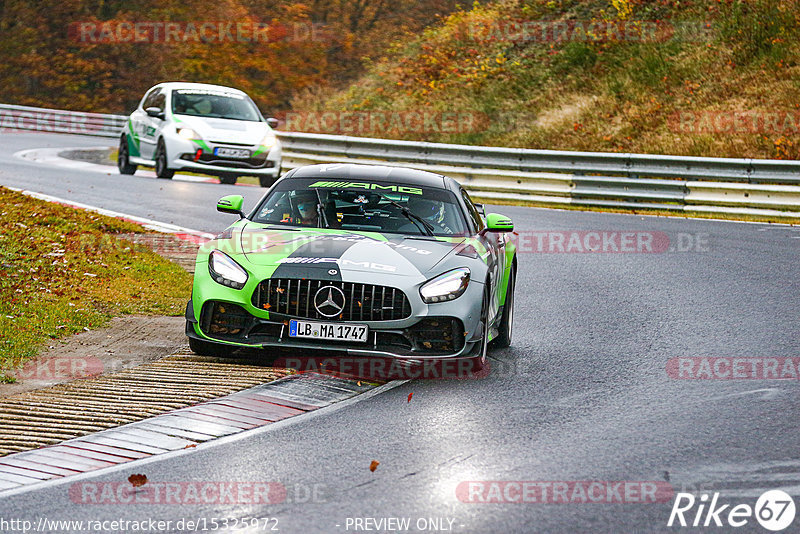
<point x="89" y="472"/>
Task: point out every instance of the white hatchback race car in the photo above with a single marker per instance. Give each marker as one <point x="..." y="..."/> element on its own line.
<point x="203" y="128"/>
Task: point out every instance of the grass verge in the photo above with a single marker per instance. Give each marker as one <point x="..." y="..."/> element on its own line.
<point x="64" y="270"/>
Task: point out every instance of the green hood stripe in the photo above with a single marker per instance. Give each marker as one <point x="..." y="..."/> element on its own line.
<point x="202" y="144"/>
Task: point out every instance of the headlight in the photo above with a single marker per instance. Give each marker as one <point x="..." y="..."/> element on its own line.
<point x="268" y="140"/>
<point x="447" y="286"/>
<point x="188" y="133"/>
<point x="225" y="271"/>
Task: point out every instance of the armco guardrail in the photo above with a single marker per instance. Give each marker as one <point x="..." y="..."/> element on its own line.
<point x="631" y="181"/>
<point x="60" y="121"/>
<point x="528" y="160"/>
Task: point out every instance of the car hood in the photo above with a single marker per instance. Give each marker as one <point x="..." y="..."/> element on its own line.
<point x="294" y="253"/>
<point x="225" y="130"/>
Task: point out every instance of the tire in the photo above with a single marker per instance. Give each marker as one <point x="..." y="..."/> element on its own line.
<point x="229" y="179"/>
<point x="479" y="361"/>
<point x="123" y="162"/>
<point x="205" y="348"/>
<point x="503" y="338"/>
<point x="162" y="171"/>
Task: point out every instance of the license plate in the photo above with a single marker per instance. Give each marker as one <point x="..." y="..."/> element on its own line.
<point x="331" y="331"/>
<point x="241" y="153"/>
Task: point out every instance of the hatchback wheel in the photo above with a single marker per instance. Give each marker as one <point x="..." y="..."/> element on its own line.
<point x="162" y="171"/>
<point x="123" y="160"/>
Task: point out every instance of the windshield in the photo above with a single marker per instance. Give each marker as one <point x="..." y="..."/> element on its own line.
<point x="214" y="104"/>
<point x="365" y="206"/>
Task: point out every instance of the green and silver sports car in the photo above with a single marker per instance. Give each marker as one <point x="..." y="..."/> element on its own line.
<point x="372" y="261"/>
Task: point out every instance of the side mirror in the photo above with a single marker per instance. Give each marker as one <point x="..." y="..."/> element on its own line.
<point x="273" y="122"/>
<point x="231" y="204"/>
<point x="498" y="223"/>
<point x="158" y="113"/>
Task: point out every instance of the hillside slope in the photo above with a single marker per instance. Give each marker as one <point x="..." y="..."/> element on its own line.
<point x="702" y="77"/>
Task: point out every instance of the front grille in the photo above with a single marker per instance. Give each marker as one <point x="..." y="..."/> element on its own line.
<point x="231" y="322"/>
<point x="437" y="334"/>
<point x="230" y="144"/>
<point x="363" y="302"/>
<point x="207" y="158"/>
<point x="222" y="319"/>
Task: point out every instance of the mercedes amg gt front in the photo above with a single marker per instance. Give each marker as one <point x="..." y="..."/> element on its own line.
<point x="371" y="261"/>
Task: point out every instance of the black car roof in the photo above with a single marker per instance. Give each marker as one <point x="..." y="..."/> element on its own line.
<point x="372" y="173"/>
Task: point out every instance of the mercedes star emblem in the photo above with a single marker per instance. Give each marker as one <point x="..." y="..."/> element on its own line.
<point x="329" y="301"/>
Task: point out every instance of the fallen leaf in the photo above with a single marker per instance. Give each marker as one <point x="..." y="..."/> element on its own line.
<point x="359" y="382"/>
<point x="191" y="446"/>
<point x="372" y="467"/>
<point x="137" y="480"/>
<point x="409" y="396"/>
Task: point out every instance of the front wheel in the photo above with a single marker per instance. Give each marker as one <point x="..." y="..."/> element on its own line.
<point x="123" y="160"/>
<point x="480" y="360"/>
<point x="162" y="170"/>
<point x="507" y="321"/>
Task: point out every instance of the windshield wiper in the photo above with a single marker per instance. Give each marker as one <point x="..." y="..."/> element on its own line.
<point x="413" y="217"/>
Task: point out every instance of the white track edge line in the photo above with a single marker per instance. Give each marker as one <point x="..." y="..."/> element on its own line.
<point x="150" y="224"/>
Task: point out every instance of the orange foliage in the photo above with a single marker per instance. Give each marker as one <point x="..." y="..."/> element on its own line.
<point x="81" y="54"/>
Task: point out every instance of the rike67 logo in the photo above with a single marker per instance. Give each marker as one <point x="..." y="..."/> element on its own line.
<point x="774" y="510"/>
